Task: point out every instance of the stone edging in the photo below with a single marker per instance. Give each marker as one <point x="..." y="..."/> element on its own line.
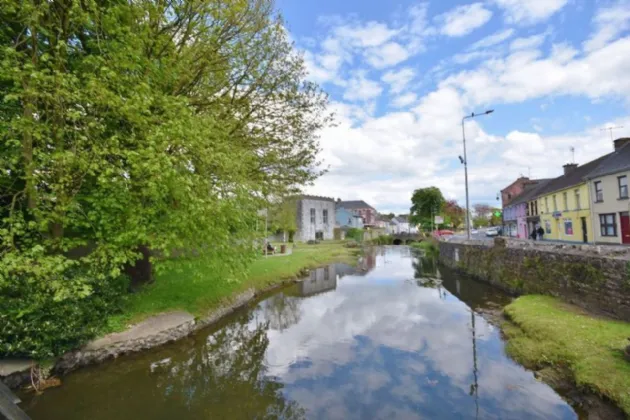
<point x="148" y="333"/>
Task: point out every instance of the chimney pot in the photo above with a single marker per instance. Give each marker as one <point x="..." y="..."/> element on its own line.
<point x="569" y="167"/>
<point x="619" y="143"/>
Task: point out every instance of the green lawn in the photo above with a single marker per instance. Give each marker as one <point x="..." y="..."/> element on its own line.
<point x="544" y="332"/>
<point x="200" y="289"/>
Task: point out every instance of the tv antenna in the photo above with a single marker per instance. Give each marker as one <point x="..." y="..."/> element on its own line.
<point x="572" y="149"/>
<point x="611" y="130"/>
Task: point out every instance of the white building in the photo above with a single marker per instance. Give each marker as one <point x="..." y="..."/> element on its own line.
<point x="315" y="218"/>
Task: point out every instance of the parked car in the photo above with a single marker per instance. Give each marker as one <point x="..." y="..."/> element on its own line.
<point x="492" y="232"/>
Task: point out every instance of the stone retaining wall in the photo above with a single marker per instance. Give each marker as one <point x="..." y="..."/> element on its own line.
<point x="595" y="279"/>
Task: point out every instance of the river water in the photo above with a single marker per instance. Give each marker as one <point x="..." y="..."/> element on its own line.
<point x="394" y="339"/>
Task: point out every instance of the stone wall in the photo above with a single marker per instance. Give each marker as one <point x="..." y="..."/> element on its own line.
<point x="594" y="278"/>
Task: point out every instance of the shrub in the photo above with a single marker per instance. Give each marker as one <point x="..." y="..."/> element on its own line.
<point x="355" y="234"/>
<point x="37" y="324"/>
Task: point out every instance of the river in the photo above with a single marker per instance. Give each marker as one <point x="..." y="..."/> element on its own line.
<point x="394" y="339"/>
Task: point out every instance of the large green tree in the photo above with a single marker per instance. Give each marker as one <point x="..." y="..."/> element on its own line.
<point x="425" y="203"/>
<point x="147" y="125"/>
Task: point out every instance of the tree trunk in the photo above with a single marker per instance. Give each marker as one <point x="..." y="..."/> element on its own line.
<point x="140" y="272"/>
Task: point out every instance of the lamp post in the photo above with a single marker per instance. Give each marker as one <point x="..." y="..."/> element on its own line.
<point x="465" y="162"/>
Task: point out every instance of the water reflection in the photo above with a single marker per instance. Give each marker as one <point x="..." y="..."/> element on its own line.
<point x="369" y="345"/>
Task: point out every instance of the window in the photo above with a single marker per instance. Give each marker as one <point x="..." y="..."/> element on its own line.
<point x="547" y="204"/>
<point x="536" y="208"/>
<point x="568" y="227"/>
<point x="565" y="198"/>
<point x="555" y="203"/>
<point x="547" y="227"/>
<point x="608" y="224"/>
<point x="325" y="215"/>
<point x="599" y="192"/>
<point x="312" y="216"/>
<point x="623" y="186"/>
<point x="578" y="206"/>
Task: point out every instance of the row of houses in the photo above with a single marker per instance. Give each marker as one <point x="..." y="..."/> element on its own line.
<point x="588" y="203"/>
<point x="317" y="217"/>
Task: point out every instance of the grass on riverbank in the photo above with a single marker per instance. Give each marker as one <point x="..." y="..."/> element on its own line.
<point x="200" y="289"/>
<point x="545" y="332"/>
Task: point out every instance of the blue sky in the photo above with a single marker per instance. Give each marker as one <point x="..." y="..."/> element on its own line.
<point x="401" y="74"/>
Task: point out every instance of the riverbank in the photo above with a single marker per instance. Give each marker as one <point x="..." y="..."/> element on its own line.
<point x="183" y="300"/>
<point x="564" y="344"/>
<point x="199" y="290"/>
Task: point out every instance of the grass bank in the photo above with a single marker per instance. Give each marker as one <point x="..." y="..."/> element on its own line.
<point x="200" y="289"/>
<point x="544" y="332"/>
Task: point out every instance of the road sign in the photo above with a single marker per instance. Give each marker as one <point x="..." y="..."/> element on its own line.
<point x="439" y="220"/>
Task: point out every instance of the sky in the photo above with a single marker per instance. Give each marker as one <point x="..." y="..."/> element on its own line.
<point x="401" y="74"/>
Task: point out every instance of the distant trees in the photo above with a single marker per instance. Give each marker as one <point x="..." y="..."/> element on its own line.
<point x="455" y="215"/>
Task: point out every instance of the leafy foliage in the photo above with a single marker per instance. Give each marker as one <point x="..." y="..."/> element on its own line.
<point x="425" y="203"/>
<point x="129" y="124"/>
<point x="355" y="234"/>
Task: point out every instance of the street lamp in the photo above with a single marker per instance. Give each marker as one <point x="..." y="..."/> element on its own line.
<point x="465" y="162"/>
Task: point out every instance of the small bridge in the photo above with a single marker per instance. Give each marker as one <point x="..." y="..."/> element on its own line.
<point x="407" y="238"/>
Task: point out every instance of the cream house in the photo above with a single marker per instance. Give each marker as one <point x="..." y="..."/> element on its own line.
<point x="608" y="185"/>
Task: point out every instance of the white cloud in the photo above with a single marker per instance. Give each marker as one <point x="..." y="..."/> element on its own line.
<point x="494" y="39"/>
<point x="467" y="57"/>
<point x="370" y="34"/>
<point x="360" y="88"/>
<point x="387" y="55"/>
<point x="463" y="19"/>
<point x="609" y="22"/>
<point x="534" y="41"/>
<point x="530" y="11"/>
<point x="399" y="79"/>
<point x="405" y="100"/>
<point x="517" y="77"/>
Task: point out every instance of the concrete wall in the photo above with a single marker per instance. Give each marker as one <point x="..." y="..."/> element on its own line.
<point x="306" y="230"/>
<point x="611" y="204"/>
<point x="594" y="278"/>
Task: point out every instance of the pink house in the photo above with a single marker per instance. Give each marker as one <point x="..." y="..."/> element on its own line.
<point x="518" y="210"/>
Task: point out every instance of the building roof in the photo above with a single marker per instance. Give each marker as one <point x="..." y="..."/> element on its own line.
<point x="316" y="197"/>
<point x="575" y="177"/>
<point x="617" y="161"/>
<point x="531" y="190"/>
<point x="352" y="205"/>
<point x="401" y="219"/>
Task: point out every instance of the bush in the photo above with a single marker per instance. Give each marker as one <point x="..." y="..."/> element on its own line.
<point x="355" y="234"/>
<point x="36" y="324"/>
<point x="383" y="240"/>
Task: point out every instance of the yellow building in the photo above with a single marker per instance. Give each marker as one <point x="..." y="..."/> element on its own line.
<point x="564" y="205"/>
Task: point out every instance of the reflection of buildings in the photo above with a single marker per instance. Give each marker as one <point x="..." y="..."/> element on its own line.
<point x="320" y="280"/>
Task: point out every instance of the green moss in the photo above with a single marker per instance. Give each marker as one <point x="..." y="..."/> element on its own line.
<point x="200" y="289"/>
<point x="542" y="331"/>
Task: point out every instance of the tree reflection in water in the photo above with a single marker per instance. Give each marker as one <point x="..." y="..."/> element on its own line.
<point x="225" y="376"/>
<point x="281" y="311"/>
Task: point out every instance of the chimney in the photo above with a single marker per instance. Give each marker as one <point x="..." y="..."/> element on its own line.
<point x="569" y="167"/>
<point x="619" y="143"/>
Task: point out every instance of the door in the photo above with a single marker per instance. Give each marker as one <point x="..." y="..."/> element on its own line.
<point x="625" y="227"/>
<point x="584" y="231"/>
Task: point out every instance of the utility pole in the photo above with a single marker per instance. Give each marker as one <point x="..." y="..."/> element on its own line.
<point x="465" y="162"/>
<point x="610" y="129"/>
